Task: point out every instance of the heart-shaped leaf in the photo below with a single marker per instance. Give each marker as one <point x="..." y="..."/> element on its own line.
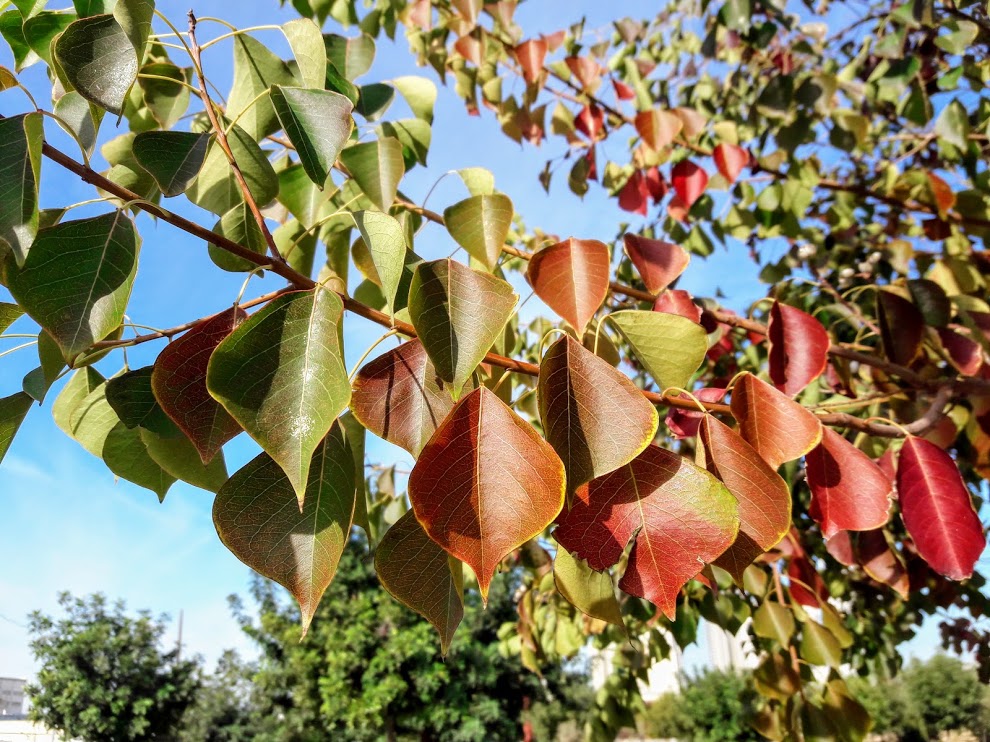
<point x="775" y="425"/>
<point x="306" y="42"/>
<point x="589" y="591"/>
<point x="77" y="279"/>
<point x="849" y="491"/>
<point x="172" y="158"/>
<point x="681" y="516"/>
<point x="281" y="376"/>
<point x="485" y="484"/>
<point x="689" y="182"/>
<point x="530" y="55"/>
<point x="91" y="420"/>
<point x="730" y="160"/>
<point x="80" y="385"/>
<point x="132" y="399"/>
<point x="179" y="384"/>
<point x="350" y="57"/>
<point x="902" y="327"/>
<point x="125" y="455"/>
<point x="420" y="575"/>
<point x="774" y="621"/>
<point x="670" y="347"/>
<point x="256" y="70"/>
<point x="99" y="60"/>
<point x="20" y="171"/>
<point x="572" y="278"/>
<point x="399" y="397"/>
<point x="798" y="348"/>
<point x="13" y="410"/>
<point x="317" y="122"/>
<point x="764" y="498"/>
<point x="458" y="314"/>
<point x="386" y="243"/>
<point x="679" y="302"/>
<point x="659" y="263"/>
<point x="215" y="188"/>
<point x="658" y="128"/>
<point x="480" y="225"/>
<point x="420" y="94"/>
<point x="594" y="417"/>
<point x="257" y="518"/>
<point x="938" y="510"/>
<point x="377" y="167"/>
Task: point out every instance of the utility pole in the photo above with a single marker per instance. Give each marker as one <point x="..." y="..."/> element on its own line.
<point x="178" y="643"/>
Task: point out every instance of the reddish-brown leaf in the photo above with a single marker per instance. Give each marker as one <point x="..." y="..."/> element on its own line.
<point x="587" y="71"/>
<point x="806" y="585"/>
<point x="623" y="91"/>
<point x="658" y="128"/>
<point x="420" y="14"/>
<point x="764" y="499"/>
<point x="849" y="491"/>
<point x="689" y="182"/>
<point x="179" y="384"/>
<point x="530" y="55"/>
<point x="693" y="121"/>
<point x="942" y="193"/>
<point x="730" y="160"/>
<point x="678" y="301"/>
<point x="840" y="546"/>
<point x="965" y="353"/>
<point x="485" y="484"/>
<point x="902" y="327"/>
<point x="554" y="40"/>
<point x="676" y="209"/>
<point x="470" y="48"/>
<point x="572" y="278"/>
<point x="659" y="263"/>
<point x="400" y="397"/>
<point x="685" y="423"/>
<point x="775" y="425"/>
<point x="937" y="509"/>
<point x="680" y="514"/>
<point x="590" y="121"/>
<point x="655" y="184"/>
<point x="798" y="348"/>
<point x="635" y="196"/>
<point x="881" y="562"/>
<point x="593" y="415"/>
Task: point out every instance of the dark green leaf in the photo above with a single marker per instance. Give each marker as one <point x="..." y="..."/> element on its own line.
<point x="125" y="455"/>
<point x="172" y="158"/>
<point x="20" y="174"/>
<point x="167" y="101"/>
<point x="317" y="122"/>
<point x="132" y="399"/>
<point x="40" y="30"/>
<point x="99" y="60"/>
<point x="13" y="409"/>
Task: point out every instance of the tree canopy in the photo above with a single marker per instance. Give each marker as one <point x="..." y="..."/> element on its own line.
<point x="823" y="454"/>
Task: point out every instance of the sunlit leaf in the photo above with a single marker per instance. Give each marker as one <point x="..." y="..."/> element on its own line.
<point x="658" y="128"/>
<point x="215" y="188"/>
<point x="307" y="46"/>
<point x="589" y="591"/>
<point x="256" y="69"/>
<point x="659" y="263"/>
<point x="798" y="348"/>
<point x="480" y="224"/>
<point x="420" y="94"/>
<point x="774" y="621"/>
<point x="572" y="278"/>
<point x="126" y="456"/>
<point x="386" y="243"/>
<point x="317" y="122"/>
<point x="670" y="347"/>
<point x="351" y="57"/>
<point x="689" y="182"/>
<point x="881" y="562"/>
<point x="776" y="426"/>
<point x="172" y="158"/>
<point x="730" y="160"/>
<point x="20" y="171"/>
<point x="99" y="60"/>
<point x="377" y="167"/>
<point x="179" y="458"/>
<point x="13" y="409"/>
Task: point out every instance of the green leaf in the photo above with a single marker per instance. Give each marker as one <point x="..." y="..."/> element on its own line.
<point x="386" y="242"/>
<point x="478" y="180"/>
<point x="80" y="385"/>
<point x="419" y="574"/>
<point x="415" y="136"/>
<point x="669" y="346"/>
<point x="952" y="125"/>
<point x="374" y="100"/>
<point x="819" y="646"/>
<point x="774" y="621"/>
<point x="77" y="279"/>
<point x="307" y="46"/>
<point x="588" y="590"/>
<point x="79" y="117"/>
<point x="297" y="245"/>
<point x="132" y="399"/>
<point x="215" y="188"/>
<point x="87" y="8"/>
<point x="298" y="194"/>
<point x="238" y="225"/>
<point x="256" y="69"/>
<point x="40" y="30"/>
<point x="125" y="455"/>
<point x="11" y="28"/>
<point x="13" y="409"/>
<point x="480" y="224"/>
<point x="257" y="518"/>
<point x="99" y="60"/>
<point x="458" y="314"/>
<point x="354" y="434"/>
<point x="178" y="457"/>
<point x="167" y="101"/>
<point x="281" y="375"/>
<point x="377" y="167"/>
<point x="961" y="35"/>
<point x="92" y="419"/>
<point x="350" y="57"/>
<point x="38" y="381"/>
<point x="134" y="17"/>
<point x="172" y="158"/>
<point x="20" y="173"/>
<point x="9" y="313"/>
<point x="318" y="123"/>
<point x="420" y="94"/>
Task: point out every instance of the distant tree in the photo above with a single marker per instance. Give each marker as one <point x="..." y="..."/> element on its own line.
<point x="712" y="706"/>
<point x="224" y="710"/>
<point x="104" y="675"/>
<point x="370" y="669"/>
<point x="947" y="694"/>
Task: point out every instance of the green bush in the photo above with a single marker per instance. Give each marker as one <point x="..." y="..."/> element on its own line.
<point x="713" y="706"/>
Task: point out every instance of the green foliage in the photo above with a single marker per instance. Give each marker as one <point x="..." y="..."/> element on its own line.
<point x="713" y="706"/>
<point x="104" y="675"/>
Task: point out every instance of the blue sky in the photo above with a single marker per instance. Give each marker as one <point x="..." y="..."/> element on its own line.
<point x="67" y="525"/>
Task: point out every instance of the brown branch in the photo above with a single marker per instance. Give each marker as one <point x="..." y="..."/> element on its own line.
<point x="221" y="137"/>
<point x="920" y="426"/>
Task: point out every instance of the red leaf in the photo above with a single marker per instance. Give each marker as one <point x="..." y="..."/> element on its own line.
<point x="179" y="384"/>
<point x="680" y="514"/>
<point x="685" y="423"/>
<point x="587" y="71"/>
<point x="590" y="122"/>
<point x="764" y="498"/>
<point x="635" y="195"/>
<point x="554" y="40"/>
<point x="693" y="121"/>
<point x="902" y="327"/>
<point x="677" y="210"/>
<point x="530" y="55"/>
<point x="937" y="509"/>
<point x="658" y="128"/>
<point x="659" y="263"/>
<point x="470" y="48"/>
<point x="730" y="160"/>
<point x="775" y="425"/>
<point x="678" y="301"/>
<point x="420" y="14"/>
<point x="689" y="182"/>
<point x="849" y="491"/>
<point x="798" y="348"/>
<point x="485" y="484"/>
<point x="623" y="91"/>
<point x="400" y="397"/>
<point x="807" y="586"/>
<point x="942" y="193"/>
<point x="964" y="353"/>
<point x="840" y="546"/>
<point x="881" y="562"/>
<point x="572" y="278"/>
<point x="592" y="166"/>
<point x="655" y="184"/>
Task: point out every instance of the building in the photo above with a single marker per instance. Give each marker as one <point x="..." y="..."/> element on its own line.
<point x="12" y="698"/>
